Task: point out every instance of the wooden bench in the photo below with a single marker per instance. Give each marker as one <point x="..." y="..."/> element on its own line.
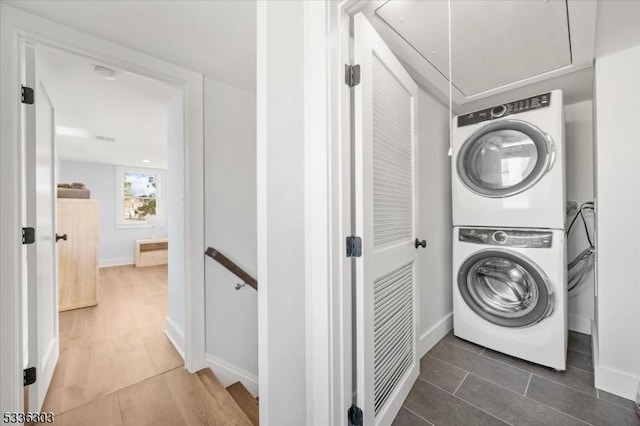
<point x="152" y="252"/>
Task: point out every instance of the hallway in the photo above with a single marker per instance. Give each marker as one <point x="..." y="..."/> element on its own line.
<point x="115" y="351"/>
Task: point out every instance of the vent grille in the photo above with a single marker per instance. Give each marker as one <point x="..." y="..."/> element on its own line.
<point x="392" y="159"/>
<point x="105" y="138"/>
<point x="393" y="331"/>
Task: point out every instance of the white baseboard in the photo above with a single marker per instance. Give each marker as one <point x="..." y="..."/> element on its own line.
<point x="118" y="261"/>
<point x="432" y="336"/>
<point x="616" y="382"/>
<point x="228" y="374"/>
<point x="580" y="324"/>
<point x="609" y="379"/>
<point x="175" y="336"/>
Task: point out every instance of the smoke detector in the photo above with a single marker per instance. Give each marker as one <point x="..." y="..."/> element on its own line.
<point x="105" y="72"/>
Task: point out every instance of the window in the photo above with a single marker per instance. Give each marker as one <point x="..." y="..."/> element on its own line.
<point x="139" y="196"/>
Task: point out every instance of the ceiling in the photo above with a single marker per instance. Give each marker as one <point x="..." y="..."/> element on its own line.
<point x="130" y="109"/>
<point x="492" y="43"/>
<point x="498" y="48"/>
<point x="215" y="38"/>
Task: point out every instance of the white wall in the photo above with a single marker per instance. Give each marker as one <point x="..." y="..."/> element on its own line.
<point x="579" y="186"/>
<point x="281" y="215"/>
<point x="116" y="245"/>
<point x="176" y="315"/>
<point x="434" y="165"/>
<point x="617" y="114"/>
<point x="230" y="227"/>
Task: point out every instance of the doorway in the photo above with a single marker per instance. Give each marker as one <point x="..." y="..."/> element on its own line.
<point x="20" y="30"/>
<point x="113" y="131"/>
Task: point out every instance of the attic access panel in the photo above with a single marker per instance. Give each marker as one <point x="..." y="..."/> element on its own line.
<point x="493" y="43"/>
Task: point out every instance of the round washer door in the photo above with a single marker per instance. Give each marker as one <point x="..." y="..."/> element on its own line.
<point x="504" y="158"/>
<point x="505" y="288"/>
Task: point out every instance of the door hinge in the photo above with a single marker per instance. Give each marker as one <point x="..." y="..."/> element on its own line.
<point x="29" y="376"/>
<point x="354" y="415"/>
<point x="28" y="235"/>
<point x="27" y="95"/>
<point x="352" y="75"/>
<point x="354" y="246"/>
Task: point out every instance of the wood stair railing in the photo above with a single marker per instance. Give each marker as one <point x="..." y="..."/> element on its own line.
<point x="232" y="267"/>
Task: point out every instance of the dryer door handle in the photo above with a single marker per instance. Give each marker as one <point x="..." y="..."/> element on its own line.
<point x="551" y="149"/>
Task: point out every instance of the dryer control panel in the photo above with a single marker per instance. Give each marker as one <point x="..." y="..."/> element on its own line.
<point x="507" y="237"/>
<point x="510" y="108"/>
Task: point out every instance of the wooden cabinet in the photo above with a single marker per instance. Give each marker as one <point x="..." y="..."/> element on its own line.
<point x="78" y="255"/>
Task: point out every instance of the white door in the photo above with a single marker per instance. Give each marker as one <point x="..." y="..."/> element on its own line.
<point x="385" y="194"/>
<point x="42" y="305"/>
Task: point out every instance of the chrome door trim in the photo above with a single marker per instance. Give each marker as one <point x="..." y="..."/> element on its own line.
<point x="543" y="142"/>
<point x="540" y="310"/>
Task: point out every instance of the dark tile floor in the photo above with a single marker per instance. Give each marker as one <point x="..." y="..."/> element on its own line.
<point x="465" y="384"/>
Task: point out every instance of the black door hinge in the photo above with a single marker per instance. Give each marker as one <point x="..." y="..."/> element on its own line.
<point x="29" y="376"/>
<point x="354" y="246"/>
<point x="28" y="235"/>
<point x="354" y="415"/>
<point x="352" y="75"/>
<point x="27" y="95"/>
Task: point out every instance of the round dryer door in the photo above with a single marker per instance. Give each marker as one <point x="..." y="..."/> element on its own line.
<point x="504" y="158"/>
<point x="505" y="288"/>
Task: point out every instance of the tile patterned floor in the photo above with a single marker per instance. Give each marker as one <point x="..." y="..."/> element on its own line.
<point x="465" y="384"/>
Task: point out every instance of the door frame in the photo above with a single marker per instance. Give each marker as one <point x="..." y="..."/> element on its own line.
<point x="328" y="173"/>
<point x="17" y="26"/>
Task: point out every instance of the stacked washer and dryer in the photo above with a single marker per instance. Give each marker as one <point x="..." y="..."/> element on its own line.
<point x="509" y="254"/>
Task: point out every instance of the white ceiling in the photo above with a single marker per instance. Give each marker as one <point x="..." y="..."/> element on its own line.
<point x="492" y="43"/>
<point x="498" y="47"/>
<point x="596" y="29"/>
<point x="131" y="109"/>
<point x="214" y="37"/>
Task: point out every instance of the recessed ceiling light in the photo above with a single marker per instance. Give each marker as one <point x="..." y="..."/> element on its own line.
<point x="146" y="161"/>
<point x="72" y="131"/>
<point x="105" y="72"/>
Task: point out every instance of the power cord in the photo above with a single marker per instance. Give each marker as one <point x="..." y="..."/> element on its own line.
<point x="579" y="266"/>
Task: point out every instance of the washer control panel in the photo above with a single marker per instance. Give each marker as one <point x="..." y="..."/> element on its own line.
<point x="510" y="108"/>
<point x="506" y="237"/>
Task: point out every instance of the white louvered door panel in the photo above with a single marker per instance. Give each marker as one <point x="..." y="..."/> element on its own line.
<point x="385" y="194"/>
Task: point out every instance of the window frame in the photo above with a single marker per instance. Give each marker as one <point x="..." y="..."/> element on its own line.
<point x="120" y="221"/>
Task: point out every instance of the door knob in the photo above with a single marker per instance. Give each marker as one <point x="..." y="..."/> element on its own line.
<point x="422" y="243"/>
<point x="61" y="237"/>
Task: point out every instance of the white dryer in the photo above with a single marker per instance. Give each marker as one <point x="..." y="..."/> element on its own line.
<point x="508" y="165"/>
<point x="510" y="292"/>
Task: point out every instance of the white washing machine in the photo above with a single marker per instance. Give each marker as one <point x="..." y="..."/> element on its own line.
<point x="508" y="165"/>
<point x="510" y="292"/>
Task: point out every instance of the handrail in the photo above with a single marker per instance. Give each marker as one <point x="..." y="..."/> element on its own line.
<point x="232" y="267"/>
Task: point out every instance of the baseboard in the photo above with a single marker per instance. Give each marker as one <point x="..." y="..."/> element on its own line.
<point x="118" y="261"/>
<point x="609" y="379"/>
<point x="228" y="374"/>
<point x="432" y="336"/>
<point x="580" y="324"/>
<point x="616" y="382"/>
<point x="175" y="336"/>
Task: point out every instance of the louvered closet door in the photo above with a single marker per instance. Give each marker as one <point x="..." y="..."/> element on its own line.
<point x="385" y="192"/>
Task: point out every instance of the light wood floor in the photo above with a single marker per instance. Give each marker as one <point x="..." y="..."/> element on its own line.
<point x="116" y="365"/>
